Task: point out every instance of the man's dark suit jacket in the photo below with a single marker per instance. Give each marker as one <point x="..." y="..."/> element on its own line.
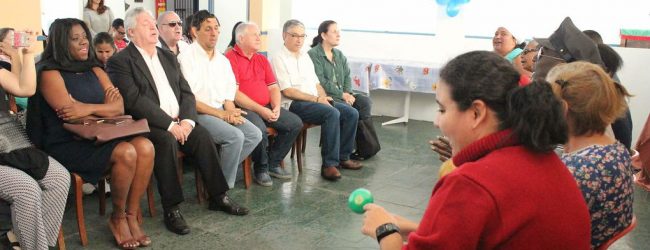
<point x="129" y="73"/>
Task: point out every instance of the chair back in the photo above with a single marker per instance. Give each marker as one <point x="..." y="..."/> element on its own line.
<point x="619" y="235"/>
<point x="12" y="103"/>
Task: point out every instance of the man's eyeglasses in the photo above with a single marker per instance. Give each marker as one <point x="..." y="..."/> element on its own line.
<point x="540" y="54"/>
<point x="173" y="24"/>
<point x="297" y="35"/>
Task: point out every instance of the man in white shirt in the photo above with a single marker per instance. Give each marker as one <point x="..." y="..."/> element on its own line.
<point x="171" y="32"/>
<point x="153" y="88"/>
<point x="213" y="83"/>
<point x="304" y="96"/>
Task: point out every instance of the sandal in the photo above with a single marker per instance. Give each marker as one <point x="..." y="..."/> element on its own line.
<point x="144" y="240"/>
<point x="10" y="240"/>
<point x="121" y="243"/>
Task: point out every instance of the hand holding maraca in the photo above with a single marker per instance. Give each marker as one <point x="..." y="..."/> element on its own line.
<point x="374" y="217"/>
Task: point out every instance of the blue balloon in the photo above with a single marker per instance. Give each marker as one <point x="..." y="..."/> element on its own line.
<point x="443" y="2"/>
<point x="453" y="9"/>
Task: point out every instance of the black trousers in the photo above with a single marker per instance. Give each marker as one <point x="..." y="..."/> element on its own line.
<point x="200" y="147"/>
<point x="363" y="104"/>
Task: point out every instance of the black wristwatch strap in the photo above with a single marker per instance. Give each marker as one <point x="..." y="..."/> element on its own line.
<point x="385" y="230"/>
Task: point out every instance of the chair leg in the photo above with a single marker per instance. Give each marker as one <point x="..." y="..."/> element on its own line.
<point x="299" y="144"/>
<point x="150" y="200"/>
<point x="179" y="170"/>
<point x="102" y="196"/>
<point x="294" y="147"/>
<point x="200" y="188"/>
<point x="80" y="208"/>
<point x="248" y="179"/>
<point x="304" y="140"/>
<point x="60" y="241"/>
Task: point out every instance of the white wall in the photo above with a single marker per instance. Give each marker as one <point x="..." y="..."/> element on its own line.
<point x="634" y="75"/>
<point x="74" y="9"/>
<point x="525" y="18"/>
<point x="51" y="10"/>
<point x="229" y="12"/>
<point x="147" y="4"/>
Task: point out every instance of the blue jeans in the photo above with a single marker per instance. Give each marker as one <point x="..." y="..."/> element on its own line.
<point x="288" y="126"/>
<point x="338" y="128"/>
<point x="236" y="142"/>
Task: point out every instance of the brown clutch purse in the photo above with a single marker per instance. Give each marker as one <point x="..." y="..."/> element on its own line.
<point x="102" y="130"/>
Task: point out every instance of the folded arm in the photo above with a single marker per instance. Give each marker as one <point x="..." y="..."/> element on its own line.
<point x="67" y="107"/>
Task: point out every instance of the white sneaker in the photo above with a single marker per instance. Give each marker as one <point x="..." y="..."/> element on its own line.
<point x="107" y="187"/>
<point x="88" y="188"/>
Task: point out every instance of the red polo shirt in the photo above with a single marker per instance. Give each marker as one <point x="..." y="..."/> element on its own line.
<point x="253" y="75"/>
<point x="120" y="44"/>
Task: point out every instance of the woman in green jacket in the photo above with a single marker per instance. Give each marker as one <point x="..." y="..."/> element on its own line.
<point x="333" y="71"/>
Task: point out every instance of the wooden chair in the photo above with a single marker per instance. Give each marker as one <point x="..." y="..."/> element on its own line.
<point x="77" y="182"/>
<point x="14" y="108"/>
<point x="248" y="175"/>
<point x="12" y="103"/>
<point x="60" y="241"/>
<point x="301" y="144"/>
<point x="619" y="235"/>
<point x="201" y="192"/>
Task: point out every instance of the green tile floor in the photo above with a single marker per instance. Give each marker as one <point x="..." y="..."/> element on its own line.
<point x="308" y="212"/>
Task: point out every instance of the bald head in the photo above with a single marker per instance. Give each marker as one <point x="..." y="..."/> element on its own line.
<point x="170" y="27"/>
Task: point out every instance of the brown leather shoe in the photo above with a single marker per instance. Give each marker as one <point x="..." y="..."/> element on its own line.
<point x="330" y="173"/>
<point x="351" y="164"/>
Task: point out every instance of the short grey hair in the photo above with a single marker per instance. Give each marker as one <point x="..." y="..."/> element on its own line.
<point x="241" y="28"/>
<point x="290" y="24"/>
<point x="131" y="15"/>
<point x="162" y="17"/>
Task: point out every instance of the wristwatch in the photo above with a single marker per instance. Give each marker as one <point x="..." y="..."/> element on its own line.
<point x="385" y="230"/>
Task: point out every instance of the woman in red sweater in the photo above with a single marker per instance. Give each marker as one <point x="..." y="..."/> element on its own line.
<point x="510" y="191"/>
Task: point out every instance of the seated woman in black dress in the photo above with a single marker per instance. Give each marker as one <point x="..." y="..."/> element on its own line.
<point x="72" y="86"/>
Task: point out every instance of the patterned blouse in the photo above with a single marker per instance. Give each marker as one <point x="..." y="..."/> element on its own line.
<point x="604" y="175"/>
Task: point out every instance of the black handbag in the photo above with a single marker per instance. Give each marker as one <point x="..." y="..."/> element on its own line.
<point x="367" y="141"/>
<point x="16" y="151"/>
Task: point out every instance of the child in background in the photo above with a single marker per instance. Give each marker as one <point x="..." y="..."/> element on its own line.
<point x="104" y="47"/>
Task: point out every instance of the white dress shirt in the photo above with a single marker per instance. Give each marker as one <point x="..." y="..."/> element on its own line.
<point x="168" y="101"/>
<point x="295" y="71"/>
<point x="211" y="79"/>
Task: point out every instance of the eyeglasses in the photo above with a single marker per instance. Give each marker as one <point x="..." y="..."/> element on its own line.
<point x="173" y="24"/>
<point x="540" y="54"/>
<point x="297" y="35"/>
<point x="121" y="32"/>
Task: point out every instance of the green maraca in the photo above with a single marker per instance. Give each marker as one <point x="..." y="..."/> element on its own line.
<point x="359" y="198"/>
